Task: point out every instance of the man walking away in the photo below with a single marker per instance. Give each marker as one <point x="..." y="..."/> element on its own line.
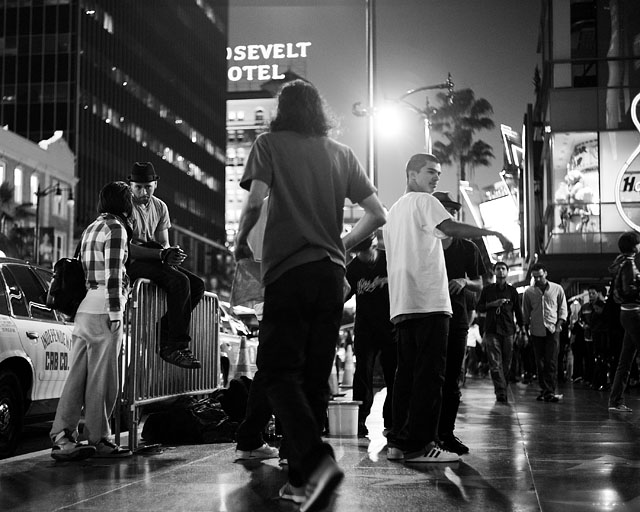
<point x="307" y="176"/>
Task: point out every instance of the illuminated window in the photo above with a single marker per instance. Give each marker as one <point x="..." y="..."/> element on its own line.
<point x="240" y="115"/>
<point x="34" y="182"/>
<point x="231" y="115"/>
<point x="17" y="185"/>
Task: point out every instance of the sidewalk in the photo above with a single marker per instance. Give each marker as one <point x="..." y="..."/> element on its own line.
<point x="526" y="456"/>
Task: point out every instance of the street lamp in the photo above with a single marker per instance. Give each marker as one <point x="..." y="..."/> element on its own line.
<point x="425" y="112"/>
<point x="40" y="193"/>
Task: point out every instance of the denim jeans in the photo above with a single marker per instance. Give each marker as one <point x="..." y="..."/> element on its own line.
<point x="184" y="292"/>
<point x="630" y="320"/>
<point x="367" y="346"/>
<point x="297" y="343"/>
<point x="546" y="352"/>
<point x="456" y="347"/>
<point x="417" y="392"/>
<point x="499" y="353"/>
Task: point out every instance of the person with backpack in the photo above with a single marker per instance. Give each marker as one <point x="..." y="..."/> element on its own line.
<point x="626" y="292"/>
<point x="92" y="383"/>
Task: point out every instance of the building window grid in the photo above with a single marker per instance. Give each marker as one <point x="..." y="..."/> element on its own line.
<point x="141" y="136"/>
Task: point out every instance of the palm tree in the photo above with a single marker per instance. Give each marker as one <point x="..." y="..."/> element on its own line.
<point x="458" y="121"/>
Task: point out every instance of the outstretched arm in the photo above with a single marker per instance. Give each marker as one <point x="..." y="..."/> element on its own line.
<point x="457" y="229"/>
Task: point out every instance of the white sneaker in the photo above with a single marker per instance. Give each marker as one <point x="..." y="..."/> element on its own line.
<point x="620" y="408"/>
<point x="262" y="453"/>
<point x="292" y="493"/>
<point x="65" y="448"/>
<point x="433" y="453"/>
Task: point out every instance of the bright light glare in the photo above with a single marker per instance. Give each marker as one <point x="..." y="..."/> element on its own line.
<point x="389" y="121"/>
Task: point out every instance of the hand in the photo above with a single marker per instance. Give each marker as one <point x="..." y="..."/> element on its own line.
<point x="242" y="251"/>
<point x="457" y="285"/>
<point x="506" y="243"/>
<point x="174" y="255"/>
<point x="114" y="325"/>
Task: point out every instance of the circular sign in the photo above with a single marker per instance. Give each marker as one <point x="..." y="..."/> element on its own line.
<point x="627" y="188"/>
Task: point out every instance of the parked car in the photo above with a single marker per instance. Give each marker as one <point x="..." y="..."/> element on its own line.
<point x="232" y="329"/>
<point x="35" y="346"/>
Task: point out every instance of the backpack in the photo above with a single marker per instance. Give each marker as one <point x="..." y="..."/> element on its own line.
<point x="67" y="288"/>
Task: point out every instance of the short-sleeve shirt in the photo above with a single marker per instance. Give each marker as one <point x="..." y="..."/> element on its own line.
<point x="415" y="260"/>
<point x="308" y="179"/>
<point x="147" y="219"/>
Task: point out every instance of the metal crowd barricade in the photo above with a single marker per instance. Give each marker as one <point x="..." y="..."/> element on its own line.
<point x="145" y="377"/>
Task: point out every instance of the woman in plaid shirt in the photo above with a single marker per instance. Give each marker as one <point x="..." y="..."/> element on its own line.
<point x="97" y="334"/>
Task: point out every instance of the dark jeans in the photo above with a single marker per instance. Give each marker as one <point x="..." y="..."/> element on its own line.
<point x="298" y="336"/>
<point x="184" y="292"/>
<point x="546" y="352"/>
<point x="630" y="320"/>
<point x="367" y="346"/>
<point x="499" y="351"/>
<point x="456" y="347"/>
<point x="417" y="393"/>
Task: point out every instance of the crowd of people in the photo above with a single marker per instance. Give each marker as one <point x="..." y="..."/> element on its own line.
<point x="416" y="286"/>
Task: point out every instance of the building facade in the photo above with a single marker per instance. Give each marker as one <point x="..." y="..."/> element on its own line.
<point x="127" y="81"/>
<point x="578" y="183"/>
<point x="38" y="181"/>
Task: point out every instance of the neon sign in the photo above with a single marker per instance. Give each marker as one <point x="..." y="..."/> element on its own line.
<point x="264" y="52"/>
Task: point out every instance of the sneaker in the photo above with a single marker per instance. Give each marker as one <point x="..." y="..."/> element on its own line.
<point x="620" y="408"/>
<point x="552" y="398"/>
<point x="292" y="493"/>
<point x="106" y="449"/>
<point x="283" y="462"/>
<point x="263" y="452"/>
<point x="182" y="358"/>
<point x="65" y="448"/>
<point x="394" y="453"/>
<point x="433" y="453"/>
<point x="540" y="397"/>
<point x="451" y="443"/>
<point x="322" y="482"/>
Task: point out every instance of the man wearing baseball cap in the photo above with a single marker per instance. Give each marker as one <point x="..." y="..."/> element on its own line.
<point x="153" y="258"/>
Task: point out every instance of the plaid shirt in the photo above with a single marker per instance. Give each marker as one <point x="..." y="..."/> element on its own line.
<point x="103" y="252"/>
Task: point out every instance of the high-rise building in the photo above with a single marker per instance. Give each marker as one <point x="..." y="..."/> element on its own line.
<point x="125" y="82"/>
<point x="580" y="178"/>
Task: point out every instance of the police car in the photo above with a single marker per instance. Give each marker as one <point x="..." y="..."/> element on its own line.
<point x="35" y="347"/>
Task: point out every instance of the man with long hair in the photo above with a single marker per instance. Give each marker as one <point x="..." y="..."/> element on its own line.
<point x="307" y="176"/>
<point x="97" y="334"/>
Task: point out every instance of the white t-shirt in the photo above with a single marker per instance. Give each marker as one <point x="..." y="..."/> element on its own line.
<point x="415" y="259"/>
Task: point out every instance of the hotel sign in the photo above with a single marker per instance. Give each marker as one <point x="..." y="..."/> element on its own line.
<point x="262" y="53"/>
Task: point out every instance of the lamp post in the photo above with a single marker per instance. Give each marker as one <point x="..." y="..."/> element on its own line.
<point x="40" y="193"/>
<point x="425" y="112"/>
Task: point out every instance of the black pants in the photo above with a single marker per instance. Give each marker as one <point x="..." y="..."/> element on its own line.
<point x="456" y="346"/>
<point x="184" y="292"/>
<point x="298" y="335"/>
<point x="367" y="346"/>
<point x="417" y="392"/>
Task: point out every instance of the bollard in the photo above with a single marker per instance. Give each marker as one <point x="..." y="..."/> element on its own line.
<point x="243" y="366"/>
<point x="349" y="367"/>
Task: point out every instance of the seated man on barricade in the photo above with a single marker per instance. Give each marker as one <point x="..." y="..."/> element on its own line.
<point x="153" y="258"/>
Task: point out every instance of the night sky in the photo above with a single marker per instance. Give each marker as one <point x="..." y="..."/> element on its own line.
<point x="487" y="45"/>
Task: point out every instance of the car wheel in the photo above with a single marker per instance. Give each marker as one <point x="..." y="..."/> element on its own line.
<point x="11" y="412"/>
